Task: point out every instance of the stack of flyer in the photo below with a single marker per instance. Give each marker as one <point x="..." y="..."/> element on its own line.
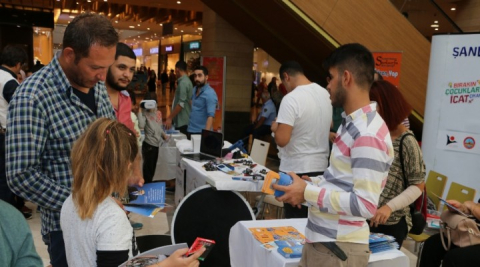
<point x="147" y="200"/>
<point x="285" y="239"/>
<point x="380" y="242"/>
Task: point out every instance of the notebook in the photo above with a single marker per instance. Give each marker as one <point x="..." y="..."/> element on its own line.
<point x="211" y="146"/>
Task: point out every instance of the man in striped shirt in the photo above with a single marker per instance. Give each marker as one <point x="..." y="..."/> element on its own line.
<point x="347" y="194"/>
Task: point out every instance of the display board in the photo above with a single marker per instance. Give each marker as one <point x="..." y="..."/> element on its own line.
<point x="388" y="64"/>
<point x="216" y="78"/>
<point x="452" y="129"/>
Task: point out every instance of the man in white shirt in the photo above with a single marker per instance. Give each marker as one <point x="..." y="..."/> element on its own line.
<point x="302" y="128"/>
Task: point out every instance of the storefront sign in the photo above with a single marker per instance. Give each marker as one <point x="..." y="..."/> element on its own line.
<point x="216" y="78"/>
<point x="154" y="50"/>
<point x="138" y="52"/>
<point x="169" y="48"/>
<point x="194" y="45"/>
<point x="388" y="65"/>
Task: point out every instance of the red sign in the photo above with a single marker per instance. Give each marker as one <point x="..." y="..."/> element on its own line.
<point x="216" y="77"/>
<point x="388" y="65"/>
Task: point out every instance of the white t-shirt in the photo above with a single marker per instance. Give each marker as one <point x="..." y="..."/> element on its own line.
<point x="108" y="230"/>
<point x="308" y="110"/>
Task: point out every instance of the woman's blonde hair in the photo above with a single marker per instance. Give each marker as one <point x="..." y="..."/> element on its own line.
<point x="101" y="160"/>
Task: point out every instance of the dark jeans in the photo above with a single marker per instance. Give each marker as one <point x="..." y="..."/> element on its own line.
<point x="302" y="212"/>
<point x="433" y="253"/>
<point x="150" y="156"/>
<point x="399" y="230"/>
<point x="259" y="132"/>
<point x="183" y="129"/>
<point x="56" y="248"/>
<point x="5" y="193"/>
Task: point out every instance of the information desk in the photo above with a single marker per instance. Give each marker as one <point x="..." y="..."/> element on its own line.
<point x="192" y="175"/>
<point x="245" y="250"/>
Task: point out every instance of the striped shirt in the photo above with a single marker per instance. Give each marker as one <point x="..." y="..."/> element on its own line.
<point x="45" y="118"/>
<point x="347" y="194"/>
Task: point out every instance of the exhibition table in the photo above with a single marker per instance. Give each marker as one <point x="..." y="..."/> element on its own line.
<point x="245" y="250"/>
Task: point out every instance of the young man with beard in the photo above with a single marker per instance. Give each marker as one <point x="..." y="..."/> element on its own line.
<point x="347" y="194"/>
<point x="204" y="103"/>
<point x="302" y="127"/>
<point x="119" y="76"/>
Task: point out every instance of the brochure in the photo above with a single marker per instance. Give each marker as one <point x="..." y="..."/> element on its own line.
<point x="153" y="256"/>
<point x="147" y="200"/>
<point x="380" y="242"/>
<point x="285" y="239"/>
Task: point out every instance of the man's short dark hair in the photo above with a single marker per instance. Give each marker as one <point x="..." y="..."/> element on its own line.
<point x="355" y="58"/>
<point x="124" y="50"/>
<point x="291" y="67"/>
<point x="202" y="68"/>
<point x="181" y="65"/>
<point x="12" y="55"/>
<point x="86" y="30"/>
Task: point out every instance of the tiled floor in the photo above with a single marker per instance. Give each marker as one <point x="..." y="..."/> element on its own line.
<point x="162" y="221"/>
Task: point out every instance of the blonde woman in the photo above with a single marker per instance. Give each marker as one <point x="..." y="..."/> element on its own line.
<point x="95" y="228"/>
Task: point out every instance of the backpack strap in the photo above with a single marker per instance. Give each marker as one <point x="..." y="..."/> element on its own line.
<point x="400" y="154"/>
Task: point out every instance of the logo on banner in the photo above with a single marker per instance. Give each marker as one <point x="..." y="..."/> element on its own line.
<point x="450" y="140"/>
<point x="469" y="142"/>
<point x="463" y="92"/>
<point x="466" y="51"/>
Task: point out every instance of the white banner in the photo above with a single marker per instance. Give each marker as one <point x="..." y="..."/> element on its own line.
<point x="452" y="129"/>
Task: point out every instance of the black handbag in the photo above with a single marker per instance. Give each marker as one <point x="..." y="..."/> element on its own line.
<point x="418" y="219"/>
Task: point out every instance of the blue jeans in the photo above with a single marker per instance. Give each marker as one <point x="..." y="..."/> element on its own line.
<point x="56" y="248"/>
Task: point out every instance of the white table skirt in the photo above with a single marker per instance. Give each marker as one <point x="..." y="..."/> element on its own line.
<point x="245" y="250"/>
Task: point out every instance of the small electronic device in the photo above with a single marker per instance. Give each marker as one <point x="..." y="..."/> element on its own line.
<point x="198" y="244"/>
<point x="454" y="208"/>
<point x="225" y="168"/>
<point x="148" y="104"/>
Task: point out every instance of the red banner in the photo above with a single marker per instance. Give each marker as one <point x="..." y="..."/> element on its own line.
<point x="216" y="79"/>
<point x="388" y="65"/>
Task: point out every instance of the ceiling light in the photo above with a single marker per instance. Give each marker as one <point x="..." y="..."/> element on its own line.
<point x="434" y="26"/>
<point x="138" y="25"/>
<point x="118" y="15"/>
<point x="105" y="0"/>
<point x="131" y="27"/>
<point x="176" y="29"/>
<point x="76" y="3"/>
<point x="89" y="1"/>
<point x="453" y="9"/>
<point x="178" y="2"/>
<point x="435" y="22"/>
<point x="200" y="28"/>
<point x="436" y="29"/>
<point x="116" y="21"/>
<point x="148" y="29"/>
<point x="161" y="24"/>
<point x="134" y="39"/>
<point x="139" y="36"/>
<point x="72" y="17"/>
<point x="181" y="31"/>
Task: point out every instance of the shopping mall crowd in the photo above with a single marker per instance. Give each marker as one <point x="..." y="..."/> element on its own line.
<point x="73" y="136"/>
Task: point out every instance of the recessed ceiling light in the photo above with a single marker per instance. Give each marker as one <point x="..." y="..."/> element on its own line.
<point x="118" y="15"/>
<point x="116" y="21"/>
<point x="181" y="31"/>
<point x="435" y="21"/>
<point x="434" y="26"/>
<point x="178" y="2"/>
<point x="436" y="29"/>
<point x="139" y="36"/>
<point x="148" y="29"/>
<point x="200" y="28"/>
<point x="161" y="24"/>
<point x="453" y="9"/>
<point x="176" y="29"/>
<point x="71" y="16"/>
<point x="131" y="27"/>
<point x="138" y="25"/>
<point x="76" y="3"/>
